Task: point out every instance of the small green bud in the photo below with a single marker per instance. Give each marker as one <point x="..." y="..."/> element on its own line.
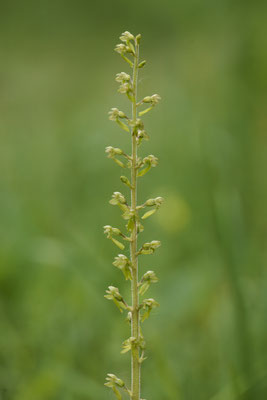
<point x="142" y="64"/>
<point x="126" y="181"/>
<point x="147" y="99"/>
<point x="138" y="37"/>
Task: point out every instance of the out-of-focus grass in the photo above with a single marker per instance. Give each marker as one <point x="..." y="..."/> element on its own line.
<point x="58" y="335"/>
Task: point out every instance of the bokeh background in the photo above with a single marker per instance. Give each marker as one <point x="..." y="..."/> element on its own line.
<point x="58" y="335"/>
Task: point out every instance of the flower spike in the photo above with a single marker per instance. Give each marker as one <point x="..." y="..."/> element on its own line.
<point x="127" y="263"/>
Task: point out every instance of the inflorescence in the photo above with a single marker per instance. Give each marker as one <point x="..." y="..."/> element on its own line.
<point x="137" y="312"/>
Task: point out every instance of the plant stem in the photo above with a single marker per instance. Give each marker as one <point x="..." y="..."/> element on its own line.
<point x="135" y="328"/>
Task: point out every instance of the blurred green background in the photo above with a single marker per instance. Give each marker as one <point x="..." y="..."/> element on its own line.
<point x="58" y="335"/>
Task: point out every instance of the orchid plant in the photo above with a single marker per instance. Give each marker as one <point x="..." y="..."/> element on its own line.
<point x="134" y="214"/>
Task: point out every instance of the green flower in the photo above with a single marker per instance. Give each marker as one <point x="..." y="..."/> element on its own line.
<point x="126" y="37"/>
<point x="117" y="199"/>
<point x="149" y="248"/>
<point x="122" y="77"/>
<point x="114" y="295"/>
<point x="148" y="278"/>
<point x="148" y="305"/>
<point x="124" y="264"/>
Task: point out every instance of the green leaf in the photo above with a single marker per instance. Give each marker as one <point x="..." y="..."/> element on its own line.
<point x="126" y="181"/>
<point x="142" y="64"/>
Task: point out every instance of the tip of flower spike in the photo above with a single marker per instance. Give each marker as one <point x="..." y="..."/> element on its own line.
<point x="126" y="36"/>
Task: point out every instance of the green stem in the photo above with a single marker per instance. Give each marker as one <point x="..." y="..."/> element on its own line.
<point x="135" y="323"/>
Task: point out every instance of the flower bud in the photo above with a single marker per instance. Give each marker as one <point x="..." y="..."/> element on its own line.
<point x="126" y="36"/>
<point x="142" y="64"/>
<point x="138" y="37"/>
<point x="126" y="181"/>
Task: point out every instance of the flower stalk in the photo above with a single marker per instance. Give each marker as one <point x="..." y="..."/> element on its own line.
<point x="137" y="312"/>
